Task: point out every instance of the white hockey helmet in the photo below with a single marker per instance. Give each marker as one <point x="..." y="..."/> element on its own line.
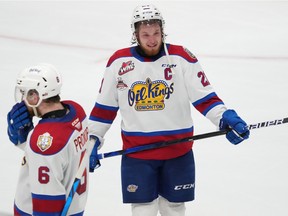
<point x="42" y="78"/>
<point x="146" y="13"/>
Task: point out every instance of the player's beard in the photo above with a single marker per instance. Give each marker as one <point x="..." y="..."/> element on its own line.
<point x="151" y="51"/>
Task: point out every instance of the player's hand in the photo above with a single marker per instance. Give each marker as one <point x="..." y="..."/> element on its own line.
<point x="19" y="123"/>
<point x="238" y="128"/>
<point x="94" y="161"/>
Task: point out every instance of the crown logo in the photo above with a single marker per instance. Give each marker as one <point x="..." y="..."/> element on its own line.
<point x="132" y="188"/>
<point x="149" y="95"/>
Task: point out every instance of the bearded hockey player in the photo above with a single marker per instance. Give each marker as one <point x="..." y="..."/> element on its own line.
<point x="153" y="85"/>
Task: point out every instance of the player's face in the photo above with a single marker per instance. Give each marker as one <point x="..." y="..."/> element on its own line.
<point x="150" y="38"/>
<point x="32" y="97"/>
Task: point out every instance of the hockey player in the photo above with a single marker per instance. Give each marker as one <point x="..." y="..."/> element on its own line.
<point x="153" y="85"/>
<point x="53" y="148"/>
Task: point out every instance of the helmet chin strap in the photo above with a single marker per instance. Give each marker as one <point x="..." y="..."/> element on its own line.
<point x="34" y="107"/>
<point x="35" y="112"/>
<point x="134" y="39"/>
<point x="167" y="53"/>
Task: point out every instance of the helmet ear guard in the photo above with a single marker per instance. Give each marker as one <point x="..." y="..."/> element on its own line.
<point x="42" y="80"/>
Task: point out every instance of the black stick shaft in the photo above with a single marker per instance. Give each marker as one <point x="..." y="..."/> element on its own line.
<point x="187" y="139"/>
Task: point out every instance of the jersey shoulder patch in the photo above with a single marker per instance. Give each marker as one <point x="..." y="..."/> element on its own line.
<point x="183" y="52"/>
<point x="50" y="138"/>
<point x="51" y="135"/>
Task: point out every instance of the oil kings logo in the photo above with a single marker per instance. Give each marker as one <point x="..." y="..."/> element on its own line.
<point x="126" y="67"/>
<point x="149" y="95"/>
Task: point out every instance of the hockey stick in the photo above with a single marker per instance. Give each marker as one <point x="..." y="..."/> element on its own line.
<point x="160" y="144"/>
<point x="187" y="139"/>
<point x="77" y="179"/>
<point x="151" y="146"/>
<point x="268" y="123"/>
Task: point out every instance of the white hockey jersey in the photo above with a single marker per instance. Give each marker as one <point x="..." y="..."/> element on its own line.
<point x="154" y="96"/>
<point x="53" y="153"/>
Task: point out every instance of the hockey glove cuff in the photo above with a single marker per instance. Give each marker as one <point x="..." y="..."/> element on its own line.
<point x="238" y="128"/>
<point x="94" y="162"/>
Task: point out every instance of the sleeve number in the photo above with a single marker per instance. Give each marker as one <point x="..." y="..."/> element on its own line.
<point x="203" y="78"/>
<point x="43" y="175"/>
<point x="83" y="184"/>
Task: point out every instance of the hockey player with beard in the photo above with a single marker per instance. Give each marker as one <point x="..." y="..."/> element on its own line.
<point x="53" y="148"/>
<point x="153" y="85"/>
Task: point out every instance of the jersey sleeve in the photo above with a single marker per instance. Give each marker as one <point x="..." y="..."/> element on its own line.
<point x="105" y="109"/>
<point x="201" y="93"/>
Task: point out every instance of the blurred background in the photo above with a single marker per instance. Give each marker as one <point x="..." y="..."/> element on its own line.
<point x="243" y="49"/>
